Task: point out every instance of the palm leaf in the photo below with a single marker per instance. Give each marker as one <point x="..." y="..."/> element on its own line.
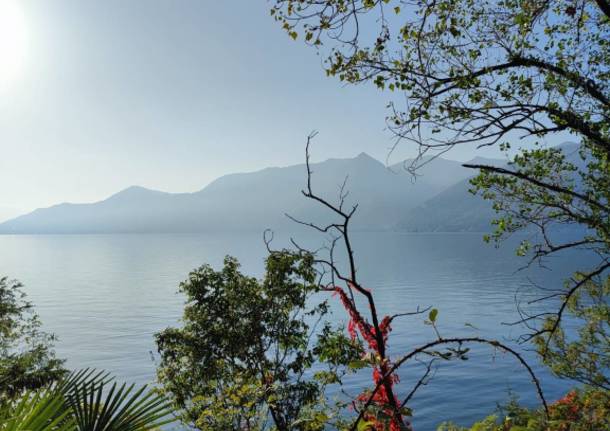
<point x="44" y="410"/>
<point x="83" y="378"/>
<point x="85" y="401"/>
<point x="119" y="408"/>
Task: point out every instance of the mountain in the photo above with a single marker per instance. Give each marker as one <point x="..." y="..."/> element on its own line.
<point x="388" y="198"/>
<point x="253" y="201"/>
<point x="435" y="171"/>
<point x="455" y="209"/>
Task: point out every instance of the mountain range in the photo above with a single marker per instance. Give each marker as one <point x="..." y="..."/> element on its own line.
<point x="388" y="198"/>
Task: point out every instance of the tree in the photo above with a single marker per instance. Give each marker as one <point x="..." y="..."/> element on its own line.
<point x="380" y="408"/>
<point x="244" y="353"/>
<point x="493" y="72"/>
<point x="476" y="72"/>
<point x="541" y="189"/>
<point x="27" y="359"/>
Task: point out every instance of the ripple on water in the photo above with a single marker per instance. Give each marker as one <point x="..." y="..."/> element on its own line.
<point x="106" y="295"/>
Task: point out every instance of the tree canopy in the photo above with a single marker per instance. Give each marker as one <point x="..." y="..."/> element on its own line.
<point x="242" y="356"/>
<point x="479" y="72"/>
<point x="27" y="359"/>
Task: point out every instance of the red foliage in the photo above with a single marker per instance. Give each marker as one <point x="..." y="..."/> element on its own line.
<point x="358" y="325"/>
<point x="569" y="404"/>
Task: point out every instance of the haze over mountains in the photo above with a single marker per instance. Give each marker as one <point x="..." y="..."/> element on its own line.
<point x="389" y="198"/>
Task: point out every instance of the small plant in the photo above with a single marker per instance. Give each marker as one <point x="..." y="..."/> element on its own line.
<point x="87" y="400"/>
<point x="578" y="410"/>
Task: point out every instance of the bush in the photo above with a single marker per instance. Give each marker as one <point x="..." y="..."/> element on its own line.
<point x="27" y="359"/>
<point x="578" y="410"/>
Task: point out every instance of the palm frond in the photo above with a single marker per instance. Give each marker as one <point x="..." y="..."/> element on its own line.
<point x="43" y="410"/>
<point x="119" y="408"/>
<point x="83" y="378"/>
<point x="87" y="400"/>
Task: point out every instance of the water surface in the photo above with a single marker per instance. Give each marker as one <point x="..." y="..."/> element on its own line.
<point x="105" y="296"/>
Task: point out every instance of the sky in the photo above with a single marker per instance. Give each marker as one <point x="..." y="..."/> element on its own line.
<point x="164" y="94"/>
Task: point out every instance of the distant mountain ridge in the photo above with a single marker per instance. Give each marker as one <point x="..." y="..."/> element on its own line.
<point x="455" y="209"/>
<point x="246" y="201"/>
<point x="389" y="198"/>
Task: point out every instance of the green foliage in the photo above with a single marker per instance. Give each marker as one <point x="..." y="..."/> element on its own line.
<point x="587" y="410"/>
<point x="43" y="410"/>
<point x="475" y="71"/>
<point x="97" y="407"/>
<point x="85" y="401"/>
<point x="336" y="348"/>
<point x="241" y="357"/>
<point x="584" y="356"/>
<point x="548" y="193"/>
<point x="27" y="360"/>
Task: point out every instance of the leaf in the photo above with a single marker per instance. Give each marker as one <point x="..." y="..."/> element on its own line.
<point x="43" y="410"/>
<point x="432" y="315"/>
<point x="406" y="411"/>
<point x="119" y="408"/>
<point x="365" y="425"/>
<point x="358" y="364"/>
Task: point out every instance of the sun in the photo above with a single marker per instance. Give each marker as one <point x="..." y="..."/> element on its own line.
<point x="12" y="42"/>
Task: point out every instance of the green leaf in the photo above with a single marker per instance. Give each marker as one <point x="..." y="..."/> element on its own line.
<point x="365" y="425"/>
<point x="358" y="364"/>
<point x="433" y="314"/>
<point x="406" y="411"/>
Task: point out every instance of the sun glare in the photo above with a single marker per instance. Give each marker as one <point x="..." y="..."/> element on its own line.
<point x="12" y="42"/>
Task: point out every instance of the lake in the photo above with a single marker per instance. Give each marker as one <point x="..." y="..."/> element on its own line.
<point x="105" y="296"/>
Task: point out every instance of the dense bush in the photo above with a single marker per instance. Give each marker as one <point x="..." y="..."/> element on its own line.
<point x="579" y="410"/>
<point x="27" y="358"/>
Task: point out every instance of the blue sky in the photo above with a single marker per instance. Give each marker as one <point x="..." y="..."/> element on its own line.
<point x="168" y="95"/>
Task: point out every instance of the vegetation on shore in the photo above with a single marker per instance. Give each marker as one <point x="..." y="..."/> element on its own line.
<point x="249" y="353"/>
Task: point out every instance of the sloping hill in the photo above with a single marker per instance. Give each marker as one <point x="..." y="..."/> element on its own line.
<point x="249" y="201"/>
<point x="389" y="198"/>
<point x="455" y="209"/>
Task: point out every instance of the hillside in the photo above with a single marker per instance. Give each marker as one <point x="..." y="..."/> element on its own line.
<point x="249" y="201"/>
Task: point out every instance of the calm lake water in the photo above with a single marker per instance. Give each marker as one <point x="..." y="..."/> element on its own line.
<point x="105" y="296"/>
